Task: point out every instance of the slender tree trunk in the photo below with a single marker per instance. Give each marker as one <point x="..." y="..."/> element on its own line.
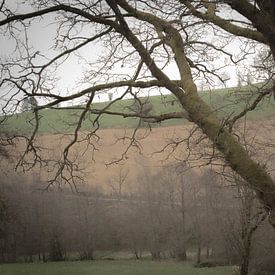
<point x="247" y="234"/>
<point x="14" y="249"/>
<point x="244" y="265"/>
<point x="244" y="268"/>
<point x="207" y="251"/>
<point x="44" y="257"/>
<point x="136" y="255"/>
<point x="182" y="255"/>
<point x="199" y="252"/>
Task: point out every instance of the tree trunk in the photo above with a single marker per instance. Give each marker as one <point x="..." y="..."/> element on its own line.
<point x="44" y="257"/>
<point x="207" y="251"/>
<point x="246" y="256"/>
<point x="199" y="112"/>
<point x="136" y="255"/>
<point x="182" y="255"/>
<point x="244" y="265"/>
<point x="235" y="155"/>
<point x="199" y="252"/>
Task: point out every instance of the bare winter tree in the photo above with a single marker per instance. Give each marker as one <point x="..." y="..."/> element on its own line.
<point x="151" y="37"/>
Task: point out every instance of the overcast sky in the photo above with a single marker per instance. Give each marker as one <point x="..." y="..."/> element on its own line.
<point x="41" y="35"/>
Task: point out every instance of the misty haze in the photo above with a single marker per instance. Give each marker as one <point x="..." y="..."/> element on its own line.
<point x="137" y="137"/>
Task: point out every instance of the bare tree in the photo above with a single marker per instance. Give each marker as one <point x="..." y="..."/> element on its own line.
<point x="176" y="181"/>
<point x="251" y="218"/>
<point x="147" y="36"/>
<point x="118" y="183"/>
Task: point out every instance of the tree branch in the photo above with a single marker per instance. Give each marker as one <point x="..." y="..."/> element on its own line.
<point x="99" y="87"/>
<point x="252" y="106"/>
<point x="146" y="118"/>
<point x="61" y="7"/>
<point x="225" y="24"/>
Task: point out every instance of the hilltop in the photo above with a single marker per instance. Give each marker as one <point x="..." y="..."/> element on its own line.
<point x="226" y="102"/>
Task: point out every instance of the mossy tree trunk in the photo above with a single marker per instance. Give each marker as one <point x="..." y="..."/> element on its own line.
<point x="198" y="111"/>
<point x="235" y="154"/>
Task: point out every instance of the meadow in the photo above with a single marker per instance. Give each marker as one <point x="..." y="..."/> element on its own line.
<point x="225" y="102"/>
<point x="118" y="267"/>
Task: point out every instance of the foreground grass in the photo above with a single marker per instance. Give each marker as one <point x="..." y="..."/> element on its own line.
<point x="121" y="267"/>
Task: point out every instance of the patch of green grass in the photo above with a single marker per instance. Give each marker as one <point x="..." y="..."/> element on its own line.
<point x="225" y="102"/>
<point x="122" y="267"/>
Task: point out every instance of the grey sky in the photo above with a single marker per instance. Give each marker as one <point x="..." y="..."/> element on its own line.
<point x="41" y="36"/>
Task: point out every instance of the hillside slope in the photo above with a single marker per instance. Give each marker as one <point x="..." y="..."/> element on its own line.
<point x="226" y="102"/>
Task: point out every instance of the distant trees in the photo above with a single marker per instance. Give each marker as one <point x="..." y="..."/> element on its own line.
<point x="169" y="215"/>
<point x="175" y="184"/>
<point x="139" y="43"/>
<point x="6" y="219"/>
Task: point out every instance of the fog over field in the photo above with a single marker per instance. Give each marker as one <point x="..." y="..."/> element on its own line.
<point x="137" y="137"/>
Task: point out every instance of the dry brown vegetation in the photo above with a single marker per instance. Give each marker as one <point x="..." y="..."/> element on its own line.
<point x="155" y="148"/>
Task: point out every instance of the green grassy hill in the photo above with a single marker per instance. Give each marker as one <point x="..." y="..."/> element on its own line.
<point x="226" y="102"/>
